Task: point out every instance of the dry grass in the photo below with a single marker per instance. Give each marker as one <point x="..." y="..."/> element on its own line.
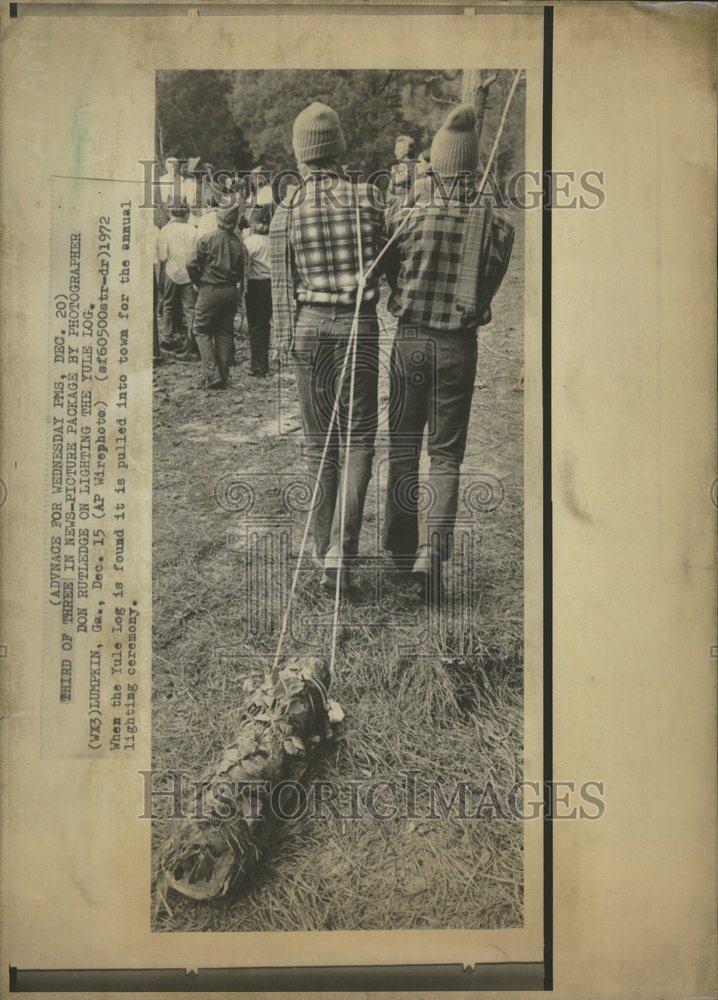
<point x="443" y="697"/>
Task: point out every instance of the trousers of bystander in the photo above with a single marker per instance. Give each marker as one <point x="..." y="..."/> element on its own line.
<point x="178" y="307"/>
<point x="214" y="331"/>
<point x="259" y="318"/>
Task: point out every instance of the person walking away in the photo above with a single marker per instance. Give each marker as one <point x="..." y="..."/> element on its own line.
<point x="217" y="266"/>
<point x="315" y="246"/>
<point x="403" y="171"/>
<point x="175" y="245"/>
<point x="170" y="186"/>
<point x="207" y="222"/>
<point x="422" y="175"/>
<point x="193" y="184"/>
<point x="208" y="184"/>
<point x="156" y="286"/>
<point x="444" y="267"/>
<point x="259" y="289"/>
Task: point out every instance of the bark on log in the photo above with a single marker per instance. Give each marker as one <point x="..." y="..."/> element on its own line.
<point x="287" y="724"/>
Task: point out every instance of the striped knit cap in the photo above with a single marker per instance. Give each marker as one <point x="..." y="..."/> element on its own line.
<point x="455" y="149"/>
<point x="317" y="133"/>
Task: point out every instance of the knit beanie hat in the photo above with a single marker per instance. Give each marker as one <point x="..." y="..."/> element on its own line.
<point x="317" y="133"/>
<point x="455" y="148"/>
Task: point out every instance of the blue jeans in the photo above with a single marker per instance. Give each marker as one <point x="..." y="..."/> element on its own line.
<point x="320" y="342"/>
<point x="432" y="382"/>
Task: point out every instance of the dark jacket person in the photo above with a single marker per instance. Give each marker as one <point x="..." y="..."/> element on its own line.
<point x="216" y="267"/>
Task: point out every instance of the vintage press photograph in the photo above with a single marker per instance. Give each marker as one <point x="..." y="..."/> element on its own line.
<point x="338" y="575"/>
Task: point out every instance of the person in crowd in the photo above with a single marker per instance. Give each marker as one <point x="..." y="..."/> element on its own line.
<point x="157" y="283"/>
<point x="421" y="184"/>
<point x="216" y="183"/>
<point x="447" y="260"/>
<point x="259" y="288"/>
<point x="402" y="169"/>
<point x="167" y="181"/>
<point x="192" y="183"/>
<point x="217" y="266"/>
<point x="256" y="180"/>
<point x="211" y="186"/>
<point x="175" y="245"/>
<point x="320" y="244"/>
<point x="207" y="222"/>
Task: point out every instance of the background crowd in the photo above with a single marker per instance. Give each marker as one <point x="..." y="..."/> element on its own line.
<point x="191" y="201"/>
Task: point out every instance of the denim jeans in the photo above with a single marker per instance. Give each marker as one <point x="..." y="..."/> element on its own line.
<point x="214" y="330"/>
<point x="320" y="342"/>
<point x="432" y="382"/>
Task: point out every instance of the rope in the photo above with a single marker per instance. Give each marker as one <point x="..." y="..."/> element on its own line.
<point x="499" y="130"/>
<point x="307" y="525"/>
<point x="351" y="349"/>
<point x="361" y="280"/>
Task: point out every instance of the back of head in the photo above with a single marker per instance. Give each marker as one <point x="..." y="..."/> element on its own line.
<point x="259" y="219"/>
<point x="179" y="211"/>
<point x="227" y="218"/>
<point x="317" y="134"/>
<point x="404" y="147"/>
<point x="455" y="149"/>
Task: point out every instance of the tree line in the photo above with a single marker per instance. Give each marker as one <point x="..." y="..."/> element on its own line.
<point x="240" y="119"/>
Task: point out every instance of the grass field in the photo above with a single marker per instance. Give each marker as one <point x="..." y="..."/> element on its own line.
<point x="440" y="695"/>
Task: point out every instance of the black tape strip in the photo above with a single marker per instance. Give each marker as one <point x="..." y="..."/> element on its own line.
<point x="497" y="976"/>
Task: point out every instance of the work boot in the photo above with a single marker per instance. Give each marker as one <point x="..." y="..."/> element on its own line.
<point x="401" y="563"/>
<point x="428" y="572"/>
<point x="329" y="580"/>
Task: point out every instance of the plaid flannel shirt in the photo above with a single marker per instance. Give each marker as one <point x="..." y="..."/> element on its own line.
<point x="314" y="251"/>
<point x="425" y="264"/>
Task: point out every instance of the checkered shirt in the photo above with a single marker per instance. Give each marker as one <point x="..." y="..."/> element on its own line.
<point x="315" y="256"/>
<point x="423" y="261"/>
